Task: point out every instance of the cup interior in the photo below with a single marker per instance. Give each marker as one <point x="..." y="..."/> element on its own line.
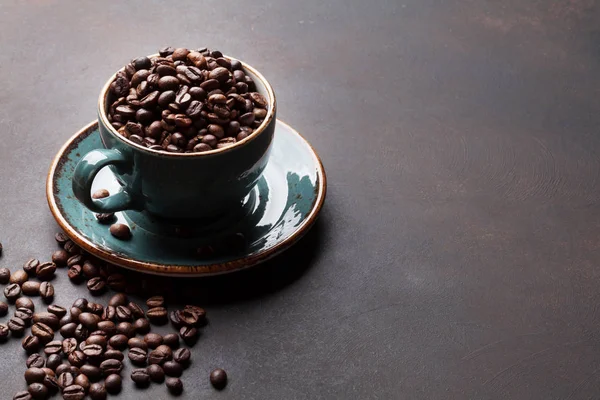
<point x="262" y="86"/>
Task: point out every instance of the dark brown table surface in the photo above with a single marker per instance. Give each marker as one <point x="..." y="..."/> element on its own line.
<point x="457" y="256"/>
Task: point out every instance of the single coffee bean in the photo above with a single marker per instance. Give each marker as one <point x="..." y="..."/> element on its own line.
<point x="153" y="340"/>
<point x="218" y="378"/>
<point x="156" y="373"/>
<point x="117" y="282"/>
<point x="54" y="347"/>
<point x="30" y="266"/>
<point x="119" y="299"/>
<point x="157" y="315"/>
<point x="30" y="288"/>
<point x="31" y="344"/>
<point x="53" y="361"/>
<point x="60" y="258"/>
<point x="62" y="368"/>
<point x="90" y="270"/>
<point x="172" y="368"/>
<point x="25" y="302"/>
<point x="51" y="383"/>
<point x="75" y="313"/>
<point x="38" y="390"/>
<point x="97" y="391"/>
<point x="34" y="374"/>
<point x="57" y="310"/>
<point x="137" y="356"/>
<point x="120" y="231"/>
<point x="19" y="277"/>
<point x="16" y="326"/>
<point x="118" y="341"/>
<point x="171" y="340"/>
<point x="159" y="355"/>
<point x="76" y="259"/>
<point x="155" y="301"/>
<point x="89" y="320"/>
<point x="140" y="377"/>
<point x="188" y="317"/>
<point x="47" y="318"/>
<point x="69" y="345"/>
<point x="175" y="321"/>
<point x="67" y="319"/>
<point x="114" y="354"/>
<point x="81" y="303"/>
<point x="72" y="248"/>
<point x="83" y="381"/>
<point x="22" y="396"/>
<point x="92" y="372"/>
<point x="81" y="333"/>
<point x="182" y="356"/>
<point x="108" y="327"/>
<point x="95" y="308"/>
<point x="4" y="331"/>
<point x="174" y="385"/>
<point x="96" y="285"/>
<point x="3" y="309"/>
<point x="4" y="276"/>
<point x="77" y="358"/>
<point x="188" y="334"/>
<point x="137" y="342"/>
<point x="45" y="271"/>
<point x="142" y="326"/>
<point x="75" y="273"/>
<point x="113" y="383"/>
<point x="123" y="313"/>
<point x="98" y="339"/>
<point x="35" y="361"/>
<point x="66" y="379"/>
<point x="25" y="314"/>
<point x="68" y="330"/>
<point x="109" y="313"/>
<point x="92" y="350"/>
<point x="126" y="328"/>
<point x="73" y="392"/>
<point x="61" y="238"/>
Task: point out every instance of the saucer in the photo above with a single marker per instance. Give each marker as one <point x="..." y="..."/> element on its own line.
<point x="278" y="212"/>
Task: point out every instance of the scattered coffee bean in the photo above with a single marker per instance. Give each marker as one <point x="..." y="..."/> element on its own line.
<point x="218" y="378"/>
<point x="57" y="310"/>
<point x="35" y="361"/>
<point x="81" y="333"/>
<point x="155" y="301"/>
<point x="38" y="391"/>
<point x="188" y="317"/>
<point x="16" y="326"/>
<point x="156" y="373"/>
<point x="96" y="285"/>
<point x="4" y="331"/>
<point x="89" y="320"/>
<point x="73" y="392"/>
<point x="172" y="368"/>
<point x="137" y="356"/>
<point x="4" y="276"/>
<point x="60" y="258"/>
<point x="77" y="358"/>
<point x="118" y="341"/>
<point x="97" y="391"/>
<point x="83" y="381"/>
<point x="3" y="309"/>
<point x="51" y="384"/>
<point x="75" y="313"/>
<point x="30" y="266"/>
<point x="92" y="372"/>
<point x="74" y="273"/>
<point x="153" y="340"/>
<point x="22" y="396"/>
<point x="30" y="288"/>
<point x="182" y="356"/>
<point x="68" y="330"/>
<point x="53" y="361"/>
<point x="108" y="327"/>
<point x="69" y="345"/>
<point x="12" y="292"/>
<point x="19" y="277"/>
<point x="72" y="248"/>
<point x="113" y="384"/>
<point x="140" y="377"/>
<point x="120" y="231"/>
<point x="81" y="303"/>
<point x="109" y="313"/>
<point x="123" y="313"/>
<point x="62" y="368"/>
<point x="136" y="310"/>
<point x="31" y="344"/>
<point x="159" y="355"/>
<point x="47" y="318"/>
<point x="61" y="238"/>
<point x="25" y="314"/>
<point x="76" y="259"/>
<point x="114" y="355"/>
<point x="188" y="334"/>
<point x="25" y="302"/>
<point x="105" y="218"/>
<point x="142" y="326"/>
<point x="92" y="350"/>
<point x="171" y="340"/>
<point x="45" y="271"/>
<point x="157" y="315"/>
<point x="66" y="379"/>
<point x="54" y="347"/>
<point x="119" y="299"/>
<point x="137" y="342"/>
<point x="42" y="331"/>
<point x="174" y="385"/>
<point x="34" y="374"/>
<point x="90" y="270"/>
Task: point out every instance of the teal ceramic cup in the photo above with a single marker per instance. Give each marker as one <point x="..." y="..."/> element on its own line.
<point x="176" y="186"/>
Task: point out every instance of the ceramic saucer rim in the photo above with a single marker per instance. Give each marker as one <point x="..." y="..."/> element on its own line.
<point x="184" y="270"/>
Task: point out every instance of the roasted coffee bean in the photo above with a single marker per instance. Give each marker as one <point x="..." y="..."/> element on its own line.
<point x="45" y="271"/>
<point x="42" y="331"/>
<point x="54" y="347"/>
<point x="3" y="309"/>
<point x="119" y="299"/>
<point x="155" y="301"/>
<point x="25" y="314"/>
<point x="137" y="356"/>
<point x="174" y="385"/>
<point x="22" y="396"/>
<point x="60" y="257"/>
<point x="118" y="341"/>
<point x="37" y="390"/>
<point x="16" y="326"/>
<point x="53" y="361"/>
<point x="68" y="330"/>
<point x="35" y="360"/>
<point x="188" y="334"/>
<point x="123" y="313"/>
<point x="4" y="276"/>
<point x="77" y="358"/>
<point x="120" y="231"/>
<point x="137" y="342"/>
<point x="81" y="333"/>
<point x="108" y="327"/>
<point x="98" y="339"/>
<point x="30" y="266"/>
<point x="97" y="391"/>
<point x="4" y="331"/>
<point x="65" y="379"/>
<point x="157" y="315"/>
<point x="95" y="308"/>
<point x="83" y="381"/>
<point x="140" y="377"/>
<point x="175" y="321"/>
<point x="62" y="368"/>
<point x="67" y="319"/>
<point x="188" y="317"/>
<point x="92" y="350"/>
<point x="80" y="303"/>
<point x="19" y="277"/>
<point x="117" y="282"/>
<point x="30" y="344"/>
<point x="156" y="373"/>
<point x="109" y="313"/>
<point x="51" y="383"/>
<point x="34" y="374"/>
<point x="90" y="270"/>
<point x="153" y="340"/>
<point x="58" y="311"/>
<point x="48" y="371"/>
<point x="142" y="326"/>
<point x="72" y="248"/>
<point x="136" y="310"/>
<point x="114" y="354"/>
<point x="172" y="368"/>
<point x="30" y="288"/>
<point x="218" y="378"/>
<point x="92" y="372"/>
<point x="75" y="313"/>
<point x="75" y="273"/>
<point x="47" y="292"/>
<point x="89" y="320"/>
<point x="113" y="383"/>
<point x="47" y="318"/>
<point x="24" y="302"/>
<point x="126" y="328"/>
<point x="200" y="312"/>
<point x="171" y="340"/>
<point x="73" y="392"/>
<point x="96" y="285"/>
<point x="182" y="356"/>
<point x="69" y="345"/>
<point x="60" y="238"/>
<point x="159" y="355"/>
<point x="76" y="259"/>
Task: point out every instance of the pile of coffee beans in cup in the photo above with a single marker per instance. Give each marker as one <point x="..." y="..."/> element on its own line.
<point x="82" y="350"/>
<point x="185" y="101"/>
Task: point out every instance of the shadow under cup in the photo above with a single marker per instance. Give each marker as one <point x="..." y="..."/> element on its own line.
<point x="188" y="188"/>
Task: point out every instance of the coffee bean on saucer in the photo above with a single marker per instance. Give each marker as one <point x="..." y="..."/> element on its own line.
<point x="4" y="276"/>
<point x="113" y="384"/>
<point x="12" y="292"/>
<point x="73" y="392"/>
<point x="47" y="291"/>
<point x="25" y="302"/>
<point x="120" y="231"/>
<point x="97" y="391"/>
<point x="100" y="194"/>
<point x="218" y="378"/>
<point x="174" y="385"/>
<point x="31" y="265"/>
<point x="19" y="277"/>
<point x="105" y="218"/>
<point x="60" y="257"/>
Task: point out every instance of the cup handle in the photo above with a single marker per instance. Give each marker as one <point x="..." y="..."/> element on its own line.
<point x="86" y="171"/>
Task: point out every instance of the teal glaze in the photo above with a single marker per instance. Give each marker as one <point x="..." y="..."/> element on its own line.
<point x="276" y="209"/>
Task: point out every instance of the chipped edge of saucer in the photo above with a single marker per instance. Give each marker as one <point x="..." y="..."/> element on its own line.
<point x="183" y="270"/>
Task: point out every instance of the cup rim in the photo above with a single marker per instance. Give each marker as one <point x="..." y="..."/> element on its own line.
<point x="102" y="106"/>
